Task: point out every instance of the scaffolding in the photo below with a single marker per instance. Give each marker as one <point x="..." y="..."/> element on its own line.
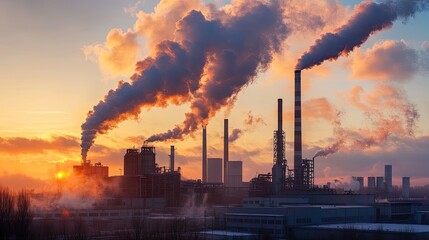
<point x="308" y="173"/>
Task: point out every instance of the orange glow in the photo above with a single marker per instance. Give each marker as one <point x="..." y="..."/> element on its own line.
<point x="65" y="213"/>
<point x="60" y="175"/>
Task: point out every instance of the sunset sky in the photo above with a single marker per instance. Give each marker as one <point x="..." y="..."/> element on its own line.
<point x="59" y="58"/>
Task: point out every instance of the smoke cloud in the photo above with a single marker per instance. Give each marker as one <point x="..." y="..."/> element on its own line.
<point x="368" y="18"/>
<point x="398" y="118"/>
<point x="235" y="134"/>
<point x="118" y="55"/>
<point x="208" y="64"/>
<point x="388" y="60"/>
<point x="252" y="120"/>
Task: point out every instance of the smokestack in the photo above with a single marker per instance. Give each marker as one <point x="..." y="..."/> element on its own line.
<point x="225" y="151"/>
<point x="297" y="134"/>
<point x="278" y="171"/>
<point x="280" y="143"/>
<point x="172" y="158"/>
<point x="204" y="168"/>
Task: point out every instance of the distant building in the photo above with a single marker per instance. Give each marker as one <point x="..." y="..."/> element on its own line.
<point x="380" y="184"/>
<point x="405" y="187"/>
<point x="360" y="180"/>
<point x="371" y="184"/>
<point x="235" y="174"/>
<point x="214" y="170"/>
<point x="388" y="178"/>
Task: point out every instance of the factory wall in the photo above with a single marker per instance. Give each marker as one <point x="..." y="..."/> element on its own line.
<point x="235" y="174"/>
<point x="214" y="170"/>
<point x="277" y="221"/>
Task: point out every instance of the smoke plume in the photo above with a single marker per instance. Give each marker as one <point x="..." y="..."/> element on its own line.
<point x="235" y="134"/>
<point x="239" y="51"/>
<point x="398" y="118"/>
<point x="368" y="18"/>
<point x="208" y="64"/>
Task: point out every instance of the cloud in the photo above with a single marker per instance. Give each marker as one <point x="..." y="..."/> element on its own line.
<point x="388" y="60"/>
<point x="315" y="109"/>
<point x="386" y="101"/>
<point x="19" y="181"/>
<point x="252" y="120"/>
<point x="389" y="113"/>
<point x="21" y="145"/>
<point x="408" y="155"/>
<point x="117" y="56"/>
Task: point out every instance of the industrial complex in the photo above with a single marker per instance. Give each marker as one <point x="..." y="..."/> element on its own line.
<point x="283" y="204"/>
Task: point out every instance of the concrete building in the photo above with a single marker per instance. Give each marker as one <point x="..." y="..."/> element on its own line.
<point x="388" y="178"/>
<point x="380" y="184"/>
<point x="235" y="174"/>
<point x="406" y="187"/>
<point x="214" y="170"/>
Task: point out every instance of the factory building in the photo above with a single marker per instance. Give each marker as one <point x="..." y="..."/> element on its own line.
<point x="235" y="174"/>
<point x="139" y="162"/>
<point x="144" y="181"/>
<point x="97" y="170"/>
<point x="279" y="222"/>
<point x="214" y="174"/>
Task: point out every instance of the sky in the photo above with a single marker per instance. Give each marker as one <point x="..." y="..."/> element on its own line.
<point x="58" y="59"/>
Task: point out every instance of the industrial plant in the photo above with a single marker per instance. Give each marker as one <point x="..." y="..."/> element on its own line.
<point x="282" y="204"/>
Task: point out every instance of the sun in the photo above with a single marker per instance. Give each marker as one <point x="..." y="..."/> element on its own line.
<point x="59" y="175"/>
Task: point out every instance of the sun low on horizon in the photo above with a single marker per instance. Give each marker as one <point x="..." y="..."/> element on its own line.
<point x="85" y="81"/>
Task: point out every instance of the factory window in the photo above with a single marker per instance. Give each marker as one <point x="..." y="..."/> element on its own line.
<point x="263" y="221"/>
<point x="278" y="222"/>
<point x="270" y="221"/>
<point x="114" y="214"/>
<point x="83" y="214"/>
<point x="93" y="214"/>
<point x="104" y="214"/>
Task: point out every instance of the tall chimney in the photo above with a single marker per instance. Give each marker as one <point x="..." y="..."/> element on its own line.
<point x="225" y="151"/>
<point x="278" y="169"/>
<point x="280" y="144"/>
<point x="297" y="134"/>
<point x="172" y="158"/>
<point x="204" y="168"/>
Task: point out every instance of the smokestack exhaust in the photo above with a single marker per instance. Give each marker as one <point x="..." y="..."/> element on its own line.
<point x="204" y="168"/>
<point x="297" y="132"/>
<point x="225" y="151"/>
<point x="172" y="158"/>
